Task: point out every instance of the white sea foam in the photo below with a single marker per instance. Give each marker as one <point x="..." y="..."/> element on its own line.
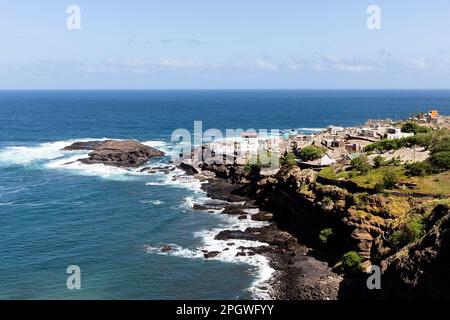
<point x="50" y="156"/>
<point x="10" y="203"/>
<point x="259" y="288"/>
<point x="155" y="202"/>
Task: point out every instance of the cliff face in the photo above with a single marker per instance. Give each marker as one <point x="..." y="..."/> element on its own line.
<point x="304" y="208"/>
<point x="422" y="269"/>
<point x="360" y="222"/>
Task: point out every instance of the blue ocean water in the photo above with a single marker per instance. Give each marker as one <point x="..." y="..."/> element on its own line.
<point x="111" y="222"/>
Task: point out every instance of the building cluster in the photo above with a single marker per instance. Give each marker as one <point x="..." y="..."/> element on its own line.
<point x="432" y="119"/>
<point x="341" y="144"/>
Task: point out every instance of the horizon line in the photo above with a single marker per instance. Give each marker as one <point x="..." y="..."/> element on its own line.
<point x="226" y="89"/>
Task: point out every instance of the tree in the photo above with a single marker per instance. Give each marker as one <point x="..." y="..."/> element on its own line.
<point x="378" y="161"/>
<point x="413" y="127"/>
<point x="311" y="153"/>
<point x="390" y="179"/>
<point x="361" y="164"/>
<point x="410" y="231"/>
<point x="418" y="169"/>
<point x="440" y="161"/>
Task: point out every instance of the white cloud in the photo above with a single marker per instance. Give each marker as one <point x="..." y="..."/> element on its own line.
<point x="340" y="64"/>
<point x="419" y="63"/>
<point x="264" y="65"/>
<point x="187" y="64"/>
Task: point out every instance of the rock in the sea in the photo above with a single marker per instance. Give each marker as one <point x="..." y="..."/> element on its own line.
<point x="262" y="216"/>
<point x="128" y="153"/>
<point x="211" y="254"/>
<point x="188" y="169"/>
<point x="166" y="248"/>
<point x="83" y="145"/>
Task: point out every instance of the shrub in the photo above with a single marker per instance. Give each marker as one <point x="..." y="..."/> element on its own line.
<point x="441" y="146"/>
<point x="311" y="153"/>
<point x="352" y="173"/>
<point x="440" y="161"/>
<point x="413" y="127"/>
<point x="410" y="231"/>
<point x="378" y="161"/>
<point x="422" y="139"/>
<point x="325" y="235"/>
<point x="327" y="201"/>
<point x="288" y="160"/>
<point x="361" y="164"/>
<point x="351" y="262"/>
<point x="378" y="187"/>
<point x="390" y="179"/>
<point x="418" y="169"/>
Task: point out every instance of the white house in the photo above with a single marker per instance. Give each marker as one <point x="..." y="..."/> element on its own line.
<point x="395" y="133"/>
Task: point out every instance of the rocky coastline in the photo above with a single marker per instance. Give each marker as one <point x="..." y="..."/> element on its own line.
<point x="298" y="275"/>
<point x="298" y="208"/>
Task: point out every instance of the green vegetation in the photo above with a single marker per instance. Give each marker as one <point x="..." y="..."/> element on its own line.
<point x="418" y="169"/>
<point x="438" y="139"/>
<point x="413" y="127"/>
<point x="378" y="187"/>
<point x="390" y="179"/>
<point x="361" y="165"/>
<point x="252" y="167"/>
<point x="311" y="153"/>
<point x="410" y="231"/>
<point x="440" y="161"/>
<point x="288" y="160"/>
<point x="351" y="262"/>
<point x="325" y="235"/>
<point x="378" y="161"/>
<point x="327" y="201"/>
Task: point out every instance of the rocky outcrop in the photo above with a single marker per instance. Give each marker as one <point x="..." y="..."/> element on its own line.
<point x="83" y="145"/>
<point x="421" y="270"/>
<point x="127" y="153"/>
<point x="189" y="169"/>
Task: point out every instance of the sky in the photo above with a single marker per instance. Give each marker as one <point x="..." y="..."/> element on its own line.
<point x="207" y="44"/>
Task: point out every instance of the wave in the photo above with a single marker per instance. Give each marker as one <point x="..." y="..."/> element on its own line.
<point x="50" y="156"/>
<point x="259" y="289"/>
<point x="155" y="202"/>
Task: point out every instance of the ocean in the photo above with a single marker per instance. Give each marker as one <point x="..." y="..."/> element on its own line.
<point x="111" y="222"/>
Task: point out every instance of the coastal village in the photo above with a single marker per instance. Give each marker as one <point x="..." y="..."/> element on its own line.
<point x="340" y="144"/>
<point x="371" y="195"/>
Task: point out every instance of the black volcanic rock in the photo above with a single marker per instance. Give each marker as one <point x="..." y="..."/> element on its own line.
<point x="83" y="145"/>
<point x="127" y="153"/>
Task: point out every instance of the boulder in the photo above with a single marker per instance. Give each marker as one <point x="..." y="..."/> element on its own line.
<point x="211" y="254"/>
<point x="166" y="248"/>
<point x="188" y="169"/>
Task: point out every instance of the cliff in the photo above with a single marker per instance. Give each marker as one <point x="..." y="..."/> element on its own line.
<point x="369" y="224"/>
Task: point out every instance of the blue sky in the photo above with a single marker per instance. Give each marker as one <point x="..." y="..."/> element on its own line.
<point x="200" y="44"/>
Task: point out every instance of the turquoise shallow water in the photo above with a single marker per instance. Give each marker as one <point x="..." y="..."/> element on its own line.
<point x="109" y="221"/>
